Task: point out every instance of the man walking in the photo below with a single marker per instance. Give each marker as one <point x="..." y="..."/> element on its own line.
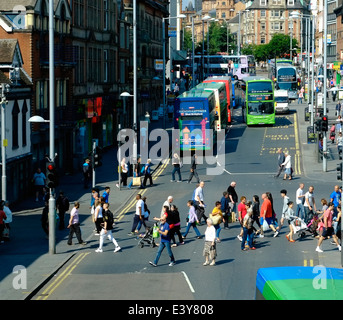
<point x="233" y="197"/>
<point x="74" y="225"/>
<point x="62" y="205"/>
<point x="39" y="183"/>
<point x="300" y="199"/>
<point x="87" y="173"/>
<point x="193" y="169"/>
<point x="280" y="161"/>
<point x="266" y="214"/>
<point x="163" y="230"/>
<point x="309" y="204"/>
<point x="138" y="215"/>
<point x="199" y="201"/>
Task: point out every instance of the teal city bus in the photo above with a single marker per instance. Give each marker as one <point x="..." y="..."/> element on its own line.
<point x="194" y="114"/>
<point x="299" y="283"/>
<point x="256" y="96"/>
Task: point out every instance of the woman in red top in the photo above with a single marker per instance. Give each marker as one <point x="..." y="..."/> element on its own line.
<point x="2" y="222"/>
<point x="242" y="211"/>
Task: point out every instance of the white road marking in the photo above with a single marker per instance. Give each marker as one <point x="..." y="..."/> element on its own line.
<point x="188" y="282"/>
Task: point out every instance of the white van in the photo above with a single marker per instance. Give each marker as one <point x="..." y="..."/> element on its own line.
<point x="281" y="101"/>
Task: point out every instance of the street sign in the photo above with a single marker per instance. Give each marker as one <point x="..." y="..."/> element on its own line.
<point x="329" y="38"/>
<point x="159" y="64"/>
<point x="172" y="32"/>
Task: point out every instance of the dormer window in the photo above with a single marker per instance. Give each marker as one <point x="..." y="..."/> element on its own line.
<point x="290" y="2"/>
<point x="263" y="2"/>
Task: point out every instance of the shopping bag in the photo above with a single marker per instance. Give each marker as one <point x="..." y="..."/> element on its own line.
<point x="233" y="216"/>
<point x="265" y="225"/>
<point x="155" y="233"/>
<point x="136" y="181"/>
<point x="6" y="233"/>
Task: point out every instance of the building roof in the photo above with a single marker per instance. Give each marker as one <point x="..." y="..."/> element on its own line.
<point x="298" y="5"/>
<point x="7" y="50"/>
<point x="3" y="78"/>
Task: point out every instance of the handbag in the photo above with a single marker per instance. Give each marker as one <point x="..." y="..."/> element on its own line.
<point x="136" y="181"/>
<point x="216" y="219"/>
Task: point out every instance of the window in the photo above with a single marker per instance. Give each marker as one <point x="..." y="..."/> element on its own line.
<point x="15" y="127"/>
<point x="263" y="13"/>
<point x="105" y="65"/>
<point x="24" y="123"/>
<point x="263" y="40"/>
<point x="263" y="2"/>
<point x="263" y="26"/>
<point x="106" y="15"/>
<point x="290" y="3"/>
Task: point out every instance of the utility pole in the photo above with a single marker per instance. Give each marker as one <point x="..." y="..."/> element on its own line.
<point x="325" y="13"/>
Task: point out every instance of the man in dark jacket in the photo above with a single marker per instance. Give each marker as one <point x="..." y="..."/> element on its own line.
<point x="280" y="161"/>
<point x="194" y="169"/>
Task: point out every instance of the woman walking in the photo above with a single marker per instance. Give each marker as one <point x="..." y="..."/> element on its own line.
<point x="192" y="220"/>
<point x="217" y="217"/>
<point x="98" y="219"/>
<point x="210" y="252"/>
<point x="175" y="218"/>
<point x="289" y="216"/>
<point x="288" y="166"/>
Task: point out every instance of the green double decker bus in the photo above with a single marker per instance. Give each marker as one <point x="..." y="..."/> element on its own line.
<point x="257" y="101"/>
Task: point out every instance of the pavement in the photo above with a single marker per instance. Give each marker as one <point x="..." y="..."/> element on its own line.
<point x="26" y="265"/>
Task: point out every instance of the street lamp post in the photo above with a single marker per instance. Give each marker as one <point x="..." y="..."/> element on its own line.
<point x="325" y="13"/>
<point x="164" y="62"/>
<point x="4" y="88"/>
<point x="52" y="200"/>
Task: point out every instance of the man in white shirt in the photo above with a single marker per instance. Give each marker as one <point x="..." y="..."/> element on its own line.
<point x="167" y="203"/>
<point x="310" y="204"/>
<point x="138" y="215"/>
<point x="199" y="201"/>
<point x="300" y="199"/>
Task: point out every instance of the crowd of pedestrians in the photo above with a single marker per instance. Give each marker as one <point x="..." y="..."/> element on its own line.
<point x="255" y="219"/>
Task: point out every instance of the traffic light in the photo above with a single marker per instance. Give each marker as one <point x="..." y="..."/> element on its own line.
<point x="97" y="156"/>
<point x="325" y="124"/>
<point x="318" y="125"/>
<point x="51" y="175"/>
<point x="339" y="171"/>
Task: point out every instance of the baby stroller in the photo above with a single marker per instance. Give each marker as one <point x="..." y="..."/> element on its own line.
<point x="148" y="235"/>
<point x="312" y="226"/>
<point x="299" y="227"/>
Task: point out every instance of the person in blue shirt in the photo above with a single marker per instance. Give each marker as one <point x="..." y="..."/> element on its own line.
<point x="335" y="198"/>
<point x="165" y="242"/>
<point x="87" y="173"/>
<point x="106" y="194"/>
<point x="225" y="208"/>
<point x="146" y="170"/>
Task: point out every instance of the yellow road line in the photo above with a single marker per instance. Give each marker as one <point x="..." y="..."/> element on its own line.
<point x="57" y="282"/>
<point x="310" y="263"/>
